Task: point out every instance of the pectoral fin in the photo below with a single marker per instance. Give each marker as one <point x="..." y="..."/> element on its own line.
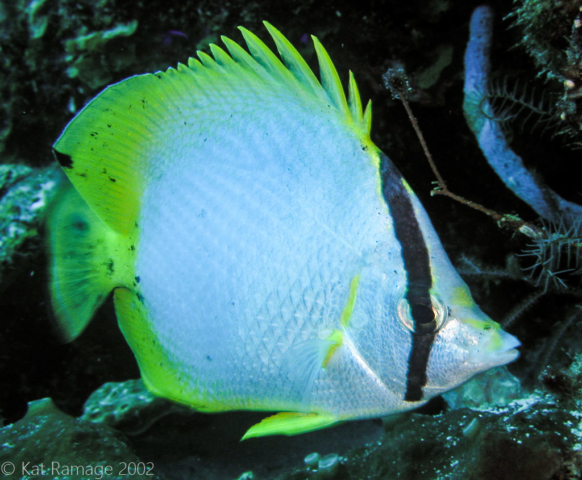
<point x="290" y="423"/>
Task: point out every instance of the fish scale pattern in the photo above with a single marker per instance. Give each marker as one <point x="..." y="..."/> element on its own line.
<point x="294" y="312"/>
<point x="279" y="235"/>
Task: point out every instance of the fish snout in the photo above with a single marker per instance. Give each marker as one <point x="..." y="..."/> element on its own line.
<point x="496" y="349"/>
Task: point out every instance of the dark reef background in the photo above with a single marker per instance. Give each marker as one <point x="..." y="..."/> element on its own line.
<point x="55" y="55"/>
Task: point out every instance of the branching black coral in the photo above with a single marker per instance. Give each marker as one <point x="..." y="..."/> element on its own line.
<point x="557" y="255"/>
<point x="522" y="106"/>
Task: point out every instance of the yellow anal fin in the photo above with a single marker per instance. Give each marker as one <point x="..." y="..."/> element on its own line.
<point x="159" y="375"/>
<point x="290" y="423"/>
<point x="162" y="373"/>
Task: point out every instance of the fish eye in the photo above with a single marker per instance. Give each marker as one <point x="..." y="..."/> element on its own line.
<point x="422" y="319"/>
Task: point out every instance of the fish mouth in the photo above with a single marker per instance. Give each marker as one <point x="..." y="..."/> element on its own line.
<point x="509" y="345"/>
<point x="507" y="356"/>
<point x="493" y="359"/>
<point x="503" y="352"/>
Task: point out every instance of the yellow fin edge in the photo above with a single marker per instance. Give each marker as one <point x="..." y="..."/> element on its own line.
<point x="290" y="423"/>
<point x="157" y="371"/>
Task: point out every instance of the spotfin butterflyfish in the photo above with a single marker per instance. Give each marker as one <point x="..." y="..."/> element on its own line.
<point x="262" y="252"/>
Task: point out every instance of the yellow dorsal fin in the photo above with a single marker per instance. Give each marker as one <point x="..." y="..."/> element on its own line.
<point x="220" y="56"/>
<point x="354" y="99"/>
<point x="295" y="63"/>
<point x="104" y="149"/>
<point x="330" y="79"/>
<point x="119" y="139"/>
<point x="367" y="119"/>
<point x="242" y="57"/>
<point x="265" y="57"/>
<point x="290" y="423"/>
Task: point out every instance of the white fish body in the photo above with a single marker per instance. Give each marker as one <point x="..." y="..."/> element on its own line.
<point x="263" y="253"/>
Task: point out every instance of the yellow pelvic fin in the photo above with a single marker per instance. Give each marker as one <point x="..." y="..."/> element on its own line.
<point x="290" y="423"/>
<point x="336" y="338"/>
<point x="308" y="357"/>
<point x="351" y="303"/>
<point x="86" y="260"/>
<point x="334" y="341"/>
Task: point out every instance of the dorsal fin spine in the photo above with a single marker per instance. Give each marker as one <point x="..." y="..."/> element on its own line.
<point x="243" y="58"/>
<point x="206" y="60"/>
<point x="330" y="79"/>
<point x="194" y="64"/>
<point x="367" y="124"/>
<point x="354" y="101"/>
<point x="265" y="57"/>
<point x="295" y="62"/>
<point x="221" y="57"/>
<point x="293" y="69"/>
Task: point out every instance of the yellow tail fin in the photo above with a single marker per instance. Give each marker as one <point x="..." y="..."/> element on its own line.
<point x="86" y="260"/>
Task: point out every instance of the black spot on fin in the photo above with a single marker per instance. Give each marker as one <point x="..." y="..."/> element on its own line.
<point x="64" y="160"/>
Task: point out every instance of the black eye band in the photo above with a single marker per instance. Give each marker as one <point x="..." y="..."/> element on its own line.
<point x="418" y="275"/>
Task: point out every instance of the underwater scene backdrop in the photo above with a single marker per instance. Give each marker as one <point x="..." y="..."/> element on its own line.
<point x="496" y="93"/>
